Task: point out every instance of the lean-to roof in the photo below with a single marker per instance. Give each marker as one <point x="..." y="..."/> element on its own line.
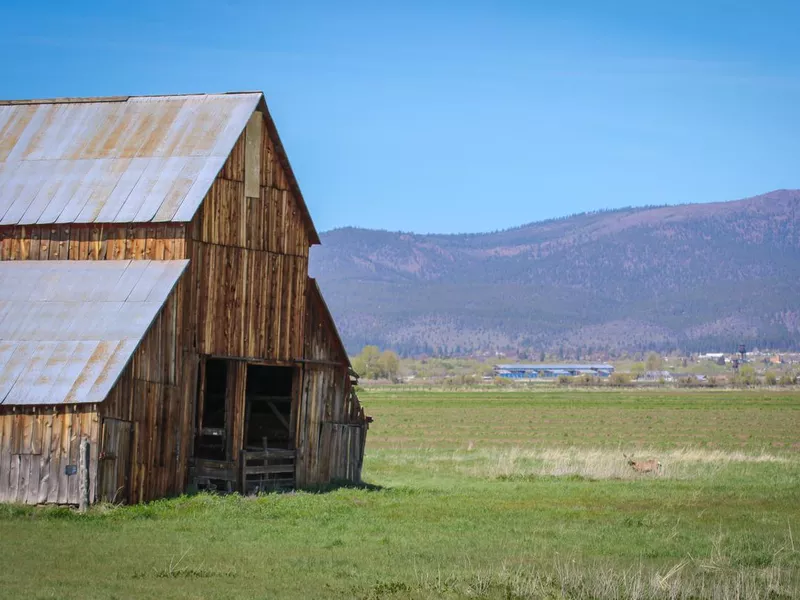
<point x="68" y="328"/>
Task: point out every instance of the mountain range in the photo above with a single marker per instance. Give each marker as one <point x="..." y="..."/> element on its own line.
<point x="693" y="277"/>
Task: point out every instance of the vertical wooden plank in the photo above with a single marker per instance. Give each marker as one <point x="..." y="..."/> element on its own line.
<point x="5" y="246"/>
<point x="14" y="478"/>
<point x="64" y="452"/>
<point x="93" y="435"/>
<point x="252" y="155"/>
<point x="25" y="243"/>
<point x="35" y="245"/>
<point x="6" y="424"/>
<point x="15" y="243"/>
<point x="56" y="462"/>
<point x="44" y="462"/>
<point x="83" y="474"/>
<point x="139" y="244"/>
<point x="75" y="434"/>
<point x="93" y="249"/>
<point x="150" y="241"/>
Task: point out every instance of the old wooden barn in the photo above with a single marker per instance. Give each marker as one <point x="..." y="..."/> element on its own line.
<point x="155" y="303"/>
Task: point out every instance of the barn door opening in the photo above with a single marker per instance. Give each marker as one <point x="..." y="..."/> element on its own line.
<point x="212" y="430"/>
<point x="268" y="459"/>
<point x="115" y="460"/>
<point x="268" y="407"/>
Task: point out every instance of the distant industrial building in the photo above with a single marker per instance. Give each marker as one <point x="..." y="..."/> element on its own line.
<point x="541" y="370"/>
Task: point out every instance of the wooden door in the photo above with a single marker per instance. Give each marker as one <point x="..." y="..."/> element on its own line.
<point x="115" y="453"/>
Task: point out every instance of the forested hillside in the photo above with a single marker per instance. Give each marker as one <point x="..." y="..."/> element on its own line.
<point x="694" y="277"/>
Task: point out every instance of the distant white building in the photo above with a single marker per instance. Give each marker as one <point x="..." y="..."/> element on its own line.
<point x="657" y="376"/>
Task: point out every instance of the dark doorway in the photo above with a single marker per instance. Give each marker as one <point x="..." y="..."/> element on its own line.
<point x="211" y="439"/>
<point x="268" y="406"/>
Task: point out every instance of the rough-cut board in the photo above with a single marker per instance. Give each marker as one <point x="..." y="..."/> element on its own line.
<point x="54" y="434"/>
<point x="163" y="241"/>
<point x="252" y="155"/>
<point x="114" y="468"/>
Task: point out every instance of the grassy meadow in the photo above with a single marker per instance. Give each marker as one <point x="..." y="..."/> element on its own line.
<point x="470" y="495"/>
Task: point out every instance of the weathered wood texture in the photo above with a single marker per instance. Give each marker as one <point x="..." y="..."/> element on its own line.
<point x="114" y="468"/>
<point x="156" y="394"/>
<point x="37" y="446"/>
<point x="158" y="241"/>
<point x="331" y="426"/>
<point x="249" y="259"/>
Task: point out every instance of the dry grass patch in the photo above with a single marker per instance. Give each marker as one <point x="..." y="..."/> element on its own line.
<point x="588" y="463"/>
<point x="611" y="464"/>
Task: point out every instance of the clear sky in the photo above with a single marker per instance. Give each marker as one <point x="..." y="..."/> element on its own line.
<point x="458" y="116"/>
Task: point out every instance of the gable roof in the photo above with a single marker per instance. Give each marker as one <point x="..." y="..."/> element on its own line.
<point x="68" y="328"/>
<point x="121" y="159"/>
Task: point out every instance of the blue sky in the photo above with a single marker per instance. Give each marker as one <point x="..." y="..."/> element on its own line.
<point x="458" y="116"/>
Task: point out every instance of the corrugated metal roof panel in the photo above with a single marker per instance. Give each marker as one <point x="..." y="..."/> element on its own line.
<point x="68" y="328"/>
<point x="115" y="160"/>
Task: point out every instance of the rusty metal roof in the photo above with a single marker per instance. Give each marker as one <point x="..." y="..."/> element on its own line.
<point x="115" y="160"/>
<point x="68" y="328"/>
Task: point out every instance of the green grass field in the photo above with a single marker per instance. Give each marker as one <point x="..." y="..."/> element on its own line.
<point x="472" y="495"/>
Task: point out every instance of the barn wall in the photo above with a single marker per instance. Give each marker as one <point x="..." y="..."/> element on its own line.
<point x="37" y="444"/>
<point x="331" y="427"/>
<point x="249" y="257"/>
<point x="156" y="394"/>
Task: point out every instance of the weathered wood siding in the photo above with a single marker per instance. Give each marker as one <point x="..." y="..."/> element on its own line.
<point x="249" y="256"/>
<point x="156" y="394"/>
<point x="36" y="446"/>
<point x="159" y="241"/>
<point x="331" y="427"/>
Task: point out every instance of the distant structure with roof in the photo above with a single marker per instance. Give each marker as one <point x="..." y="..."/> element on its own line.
<point x="542" y="370"/>
<point x="158" y="328"/>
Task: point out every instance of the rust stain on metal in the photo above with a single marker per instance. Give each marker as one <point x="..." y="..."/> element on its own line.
<point x="64" y="336"/>
<point x="10" y="134"/>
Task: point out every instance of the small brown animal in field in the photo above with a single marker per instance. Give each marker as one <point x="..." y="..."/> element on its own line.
<point x="643" y="466"/>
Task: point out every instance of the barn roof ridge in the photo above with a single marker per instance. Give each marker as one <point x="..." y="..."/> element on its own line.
<point x="124" y="98"/>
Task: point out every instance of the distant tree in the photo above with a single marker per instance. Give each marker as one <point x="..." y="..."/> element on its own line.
<point x="770" y="378"/>
<point x="637" y="370"/>
<point x="388" y="364"/>
<point x="654" y="362"/>
<point x="542" y="356"/>
<point x="746" y="375"/>
<point x="366" y="362"/>
<point x="619" y="379"/>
